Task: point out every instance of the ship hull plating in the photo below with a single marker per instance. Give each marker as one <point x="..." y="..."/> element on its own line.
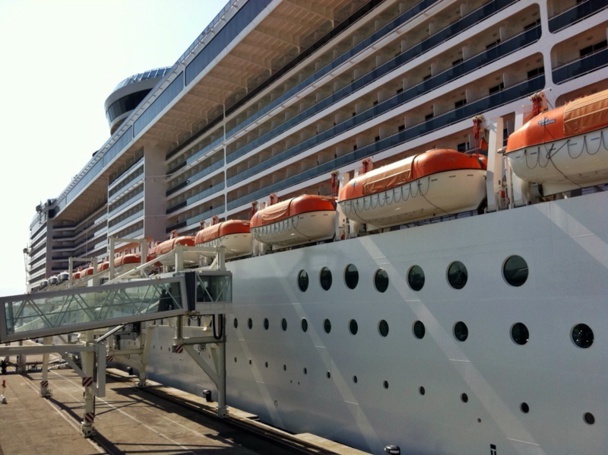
<point x="363" y="373"/>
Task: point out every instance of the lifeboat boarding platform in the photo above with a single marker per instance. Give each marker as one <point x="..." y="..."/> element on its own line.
<point x="95" y="313"/>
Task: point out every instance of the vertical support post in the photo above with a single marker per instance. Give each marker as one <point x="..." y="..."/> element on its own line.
<point x="21" y="361"/>
<point x="222" y="410"/>
<point x="45" y="392"/>
<point x="88" y="367"/>
<point x="112" y="272"/>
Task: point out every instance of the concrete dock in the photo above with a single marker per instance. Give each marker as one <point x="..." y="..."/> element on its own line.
<point x="127" y="420"/>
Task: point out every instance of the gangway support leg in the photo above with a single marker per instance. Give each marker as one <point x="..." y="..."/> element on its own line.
<point x="45" y="391"/>
<point x="88" y="367"/>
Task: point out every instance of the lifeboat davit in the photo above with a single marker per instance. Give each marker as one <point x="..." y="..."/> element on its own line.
<point x="564" y="148"/>
<point x="189" y="257"/>
<point x="234" y="235"/>
<point x="437" y="182"/>
<point x="302" y="219"/>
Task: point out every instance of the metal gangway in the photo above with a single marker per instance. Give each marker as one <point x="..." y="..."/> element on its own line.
<point x="98" y="312"/>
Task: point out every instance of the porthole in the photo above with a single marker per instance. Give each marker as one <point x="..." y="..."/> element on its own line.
<point x="381" y="280"/>
<point x="383" y="328"/>
<point x="457" y="275"/>
<point x="266" y="323"/>
<point x="524" y="408"/>
<point x="385" y="384"/>
<point x="236" y="323"/>
<point x="415" y="278"/>
<point x="328" y="375"/>
<point x="305" y="370"/>
<point x="327" y="325"/>
<point x="589" y="418"/>
<point x="515" y="270"/>
<point x="325" y="278"/>
<point x="351" y="276"/>
<point x="250" y="323"/>
<point x="461" y="331"/>
<point x="353" y="326"/>
<point x="266" y="364"/>
<point x="519" y="333"/>
<point x="303" y="280"/>
<point x="284" y="324"/>
<point x="284" y="367"/>
<point x="419" y="330"/>
<point x="422" y="390"/>
<point x="582" y="335"/>
<point x="464" y="398"/>
<point x="355" y="379"/>
<point x="304" y="324"/>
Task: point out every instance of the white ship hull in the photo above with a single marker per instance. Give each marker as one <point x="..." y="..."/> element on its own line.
<point x="566" y="164"/>
<point x="531" y="398"/>
<point x="440" y="194"/>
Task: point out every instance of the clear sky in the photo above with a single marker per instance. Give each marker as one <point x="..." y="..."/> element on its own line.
<point x="60" y="59"/>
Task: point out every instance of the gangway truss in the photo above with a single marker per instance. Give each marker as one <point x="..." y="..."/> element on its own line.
<point x="42" y="314"/>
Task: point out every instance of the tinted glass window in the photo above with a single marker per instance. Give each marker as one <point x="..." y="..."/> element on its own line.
<point x="582" y="335"/>
<point x="457" y="275"/>
<point x="461" y="331"/>
<point x="351" y="276"/>
<point x="381" y="280"/>
<point x="415" y="278"/>
<point x="303" y="280"/>
<point x="515" y="270"/>
<point x="325" y="278"/>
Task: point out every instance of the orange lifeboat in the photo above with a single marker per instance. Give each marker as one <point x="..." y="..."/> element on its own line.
<point x="437" y="182"/>
<point x="234" y="235"/>
<point x="564" y="148"/>
<point x="189" y="257"/>
<point x="302" y="219"/>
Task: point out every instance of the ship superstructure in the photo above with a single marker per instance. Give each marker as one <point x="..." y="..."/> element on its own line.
<point x="468" y="327"/>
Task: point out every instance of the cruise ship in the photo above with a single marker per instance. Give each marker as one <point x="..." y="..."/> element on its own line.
<point x="412" y="200"/>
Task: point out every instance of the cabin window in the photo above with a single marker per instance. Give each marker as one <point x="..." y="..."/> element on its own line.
<point x="250" y="323"/>
<point x="381" y="280"/>
<point x="351" y="276"/>
<point x="284" y="324"/>
<point x="303" y="280"/>
<point x="266" y="324"/>
<point x="236" y="323"/>
<point x="325" y="278"/>
<point x="461" y="331"/>
<point x="353" y="327"/>
<point x="457" y="275"/>
<point x="582" y="335"/>
<point x="383" y="328"/>
<point x="327" y="325"/>
<point x="419" y="330"/>
<point x="304" y="325"/>
<point x="515" y="270"/>
<point x="415" y="278"/>
<point x="519" y="333"/>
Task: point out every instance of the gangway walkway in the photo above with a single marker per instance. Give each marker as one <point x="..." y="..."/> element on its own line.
<point x="31" y="316"/>
<point x="110" y="307"/>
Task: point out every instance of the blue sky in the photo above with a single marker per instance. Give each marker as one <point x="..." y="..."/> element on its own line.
<point x="60" y="60"/>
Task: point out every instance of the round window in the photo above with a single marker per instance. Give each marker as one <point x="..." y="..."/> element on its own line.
<point x="519" y="333"/>
<point x="582" y="335"/>
<point x="515" y="270"/>
<point x="325" y="278"/>
<point x="303" y="280"/>
<point x="353" y="327"/>
<point x="381" y="280"/>
<point x="457" y="275"/>
<point x="419" y="329"/>
<point x="415" y="278"/>
<point x="461" y="331"/>
<point x="351" y="276"/>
